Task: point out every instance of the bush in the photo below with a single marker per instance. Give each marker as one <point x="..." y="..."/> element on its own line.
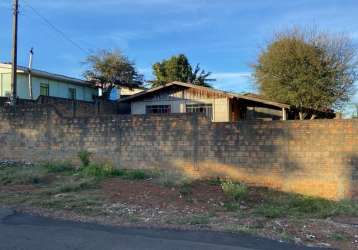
<point x="85" y="157"/>
<point x="234" y="191"/>
<point x="59" y="167"/>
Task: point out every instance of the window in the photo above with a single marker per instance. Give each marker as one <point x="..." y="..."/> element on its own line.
<point x="72" y="94"/>
<point x="206" y="109"/>
<point x="44" y="89"/>
<point x="158" y="109"/>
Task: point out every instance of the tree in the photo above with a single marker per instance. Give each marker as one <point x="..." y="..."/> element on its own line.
<point x="111" y="69"/>
<point x="308" y="69"/>
<point x="178" y="68"/>
<point x="355" y="113"/>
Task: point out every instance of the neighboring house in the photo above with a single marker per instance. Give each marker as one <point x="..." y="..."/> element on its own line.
<point x="35" y="83"/>
<point x="218" y="106"/>
<point x="125" y="91"/>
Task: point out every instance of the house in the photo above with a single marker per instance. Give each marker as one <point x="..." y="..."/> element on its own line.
<point x="126" y="91"/>
<point x="31" y="84"/>
<point x="218" y="106"/>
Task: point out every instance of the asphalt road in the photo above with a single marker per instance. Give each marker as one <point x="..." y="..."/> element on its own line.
<point x="27" y="232"/>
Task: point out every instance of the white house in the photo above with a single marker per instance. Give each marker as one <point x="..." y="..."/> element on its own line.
<point x="34" y="83"/>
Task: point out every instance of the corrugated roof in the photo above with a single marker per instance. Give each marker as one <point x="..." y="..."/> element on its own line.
<point x="225" y="93"/>
<point x="58" y="77"/>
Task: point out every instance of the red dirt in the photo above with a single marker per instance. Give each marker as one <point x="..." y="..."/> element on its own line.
<point x="203" y="197"/>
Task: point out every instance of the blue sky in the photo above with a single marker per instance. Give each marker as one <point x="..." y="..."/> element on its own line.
<point x="225" y="36"/>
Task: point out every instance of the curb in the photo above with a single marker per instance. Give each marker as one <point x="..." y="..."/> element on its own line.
<point x="5" y="212"/>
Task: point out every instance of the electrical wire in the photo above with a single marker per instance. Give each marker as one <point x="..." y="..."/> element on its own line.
<point x="59" y="31"/>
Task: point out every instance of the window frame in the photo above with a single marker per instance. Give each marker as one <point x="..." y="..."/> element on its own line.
<point x="158" y="109"/>
<point x="200" y="108"/>
<point x="45" y="86"/>
<point x="72" y="93"/>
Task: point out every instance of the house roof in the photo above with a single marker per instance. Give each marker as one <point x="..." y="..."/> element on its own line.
<point x="52" y="76"/>
<point x="230" y="95"/>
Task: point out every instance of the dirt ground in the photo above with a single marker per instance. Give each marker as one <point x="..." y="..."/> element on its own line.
<point x="200" y="206"/>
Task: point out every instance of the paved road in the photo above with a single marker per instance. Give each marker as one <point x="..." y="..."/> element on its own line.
<point x="27" y="232"/>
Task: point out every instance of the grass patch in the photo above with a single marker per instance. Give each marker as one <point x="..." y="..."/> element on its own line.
<point x="108" y="171"/>
<point x="99" y="171"/>
<point x="59" y="167"/>
<point x="82" y="202"/>
<point x="338" y="237"/>
<point x="134" y="174"/>
<point x="76" y="185"/>
<point x="193" y="220"/>
<point x="22" y="175"/>
<point x="170" y="178"/>
<point x="291" y="205"/>
<point x="234" y="191"/>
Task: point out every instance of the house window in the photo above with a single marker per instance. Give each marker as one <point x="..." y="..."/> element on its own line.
<point x="158" y="109"/>
<point x="206" y="109"/>
<point x="44" y="89"/>
<point x="72" y="94"/>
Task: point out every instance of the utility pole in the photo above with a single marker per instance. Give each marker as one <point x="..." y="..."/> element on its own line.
<point x="13" y="97"/>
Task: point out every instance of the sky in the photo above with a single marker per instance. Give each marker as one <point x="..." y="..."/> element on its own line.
<point x="224" y="36"/>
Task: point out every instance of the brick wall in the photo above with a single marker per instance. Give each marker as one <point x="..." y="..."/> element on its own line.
<point x="73" y="108"/>
<point x="310" y="157"/>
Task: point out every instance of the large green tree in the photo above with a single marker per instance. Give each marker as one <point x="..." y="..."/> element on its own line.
<point x="307" y="69"/>
<point x="178" y="68"/>
<point x="111" y="68"/>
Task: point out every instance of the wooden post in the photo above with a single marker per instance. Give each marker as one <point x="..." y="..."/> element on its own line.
<point x="284" y="114"/>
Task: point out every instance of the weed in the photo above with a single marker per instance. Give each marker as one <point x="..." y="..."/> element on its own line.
<point x="234" y="191"/>
<point x="170" y="178"/>
<point x="85" y="157"/>
<point x="186" y="190"/>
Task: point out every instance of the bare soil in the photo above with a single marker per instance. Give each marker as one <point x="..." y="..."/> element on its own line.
<point x="199" y="206"/>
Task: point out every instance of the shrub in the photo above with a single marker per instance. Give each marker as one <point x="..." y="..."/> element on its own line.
<point x="85" y="157"/>
<point x="234" y="191"/>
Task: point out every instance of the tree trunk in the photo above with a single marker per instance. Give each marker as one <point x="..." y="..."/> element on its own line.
<point x="313" y="117"/>
<point x="302" y="116"/>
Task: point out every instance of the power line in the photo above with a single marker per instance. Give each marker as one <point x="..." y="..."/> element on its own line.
<point x="63" y="34"/>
